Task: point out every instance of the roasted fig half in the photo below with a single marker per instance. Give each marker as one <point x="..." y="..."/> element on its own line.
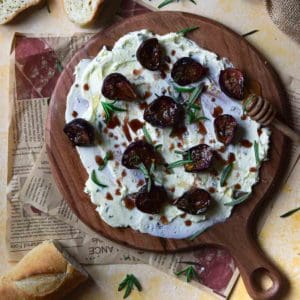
<point x="232" y="83"/>
<point x="186" y="71"/>
<point x="163" y="112"/>
<point x="80" y="132"/>
<point x="150" y="54"/>
<point x="201" y="156"/>
<point x="139" y="152"/>
<point x="225" y="128"/>
<point x="117" y="87"/>
<point x="151" y="202"/>
<point x="194" y="201"/>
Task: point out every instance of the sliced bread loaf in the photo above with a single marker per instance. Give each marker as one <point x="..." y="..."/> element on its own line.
<point x="10" y="8"/>
<point x="83" y="12"/>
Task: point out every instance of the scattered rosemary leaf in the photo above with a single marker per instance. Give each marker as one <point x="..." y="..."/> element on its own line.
<point x="238" y="200"/>
<point x="225" y="174"/>
<point x="152" y="168"/>
<point x="187" y="30"/>
<point x="180" y="152"/>
<point x="180" y="89"/>
<point x="147" y="135"/>
<point x="256" y="152"/>
<point x="110" y="108"/>
<point x="158" y="147"/>
<point x="165" y="3"/>
<point x="96" y="181"/>
<point x="106" y="158"/>
<point x="250" y="32"/>
<point x="189" y="272"/>
<point x="179" y="163"/>
<point x="59" y="66"/>
<point x="129" y="282"/>
<point x="290" y="212"/>
<point x="144" y="170"/>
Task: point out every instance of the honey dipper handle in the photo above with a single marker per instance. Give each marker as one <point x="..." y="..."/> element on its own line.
<point x="295" y="137"/>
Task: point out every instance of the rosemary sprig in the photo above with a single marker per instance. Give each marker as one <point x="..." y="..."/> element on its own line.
<point x="290" y="212"/>
<point x="193" y="109"/>
<point x="193" y="118"/>
<point x="110" y="108"/>
<point x="179" y="163"/>
<point x="106" y="158"/>
<point x="189" y="272"/>
<point x="96" y="181"/>
<point x="225" y="174"/>
<point x="147" y="135"/>
<point x="250" y="32"/>
<point x="256" y="152"/>
<point x="194" y="96"/>
<point x="187" y="30"/>
<point x="148" y="174"/>
<point x="129" y="282"/>
<point x="238" y="200"/>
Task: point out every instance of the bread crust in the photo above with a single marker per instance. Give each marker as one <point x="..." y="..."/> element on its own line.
<point x="93" y="17"/>
<point x="44" y="273"/>
<point x="21" y="9"/>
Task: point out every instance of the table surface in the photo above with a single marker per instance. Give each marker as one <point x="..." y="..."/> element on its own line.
<point x="281" y="243"/>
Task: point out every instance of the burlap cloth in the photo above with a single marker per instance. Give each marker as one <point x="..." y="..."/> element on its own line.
<point x="286" y="15"/>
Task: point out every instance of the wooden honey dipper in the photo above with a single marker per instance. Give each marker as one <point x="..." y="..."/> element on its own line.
<point x="262" y="111"/>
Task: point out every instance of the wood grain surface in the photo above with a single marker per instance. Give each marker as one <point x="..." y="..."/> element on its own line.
<point x="237" y="234"/>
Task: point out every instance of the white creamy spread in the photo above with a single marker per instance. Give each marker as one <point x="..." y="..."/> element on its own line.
<point x="85" y="98"/>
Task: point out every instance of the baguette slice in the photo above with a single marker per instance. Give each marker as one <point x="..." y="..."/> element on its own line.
<point x="10" y="8"/>
<point x="46" y="272"/>
<point x="83" y="12"/>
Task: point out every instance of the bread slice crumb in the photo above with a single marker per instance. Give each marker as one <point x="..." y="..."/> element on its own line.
<point x="11" y="8"/>
<point x="83" y="12"/>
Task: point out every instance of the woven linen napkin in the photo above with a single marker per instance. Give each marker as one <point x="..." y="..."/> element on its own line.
<point x="286" y="15"/>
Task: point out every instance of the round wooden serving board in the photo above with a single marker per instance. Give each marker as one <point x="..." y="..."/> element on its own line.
<point x="236" y="234"/>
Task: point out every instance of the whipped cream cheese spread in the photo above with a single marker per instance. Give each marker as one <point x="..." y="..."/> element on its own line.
<point x="85" y="99"/>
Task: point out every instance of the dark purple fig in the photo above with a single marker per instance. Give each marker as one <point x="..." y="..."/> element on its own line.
<point x="139" y="152"/>
<point x="186" y="71"/>
<point x="225" y="128"/>
<point x="232" y="83"/>
<point x="80" y="132"/>
<point x="117" y="87"/>
<point x="150" y="54"/>
<point x="163" y="112"/>
<point x="201" y="156"/>
<point x="194" y="201"/>
<point x="151" y="202"/>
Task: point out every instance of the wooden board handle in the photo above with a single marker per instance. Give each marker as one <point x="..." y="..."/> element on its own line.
<point x="253" y="264"/>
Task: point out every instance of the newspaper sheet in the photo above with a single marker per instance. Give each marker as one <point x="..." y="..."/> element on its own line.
<point x="36" y="209"/>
